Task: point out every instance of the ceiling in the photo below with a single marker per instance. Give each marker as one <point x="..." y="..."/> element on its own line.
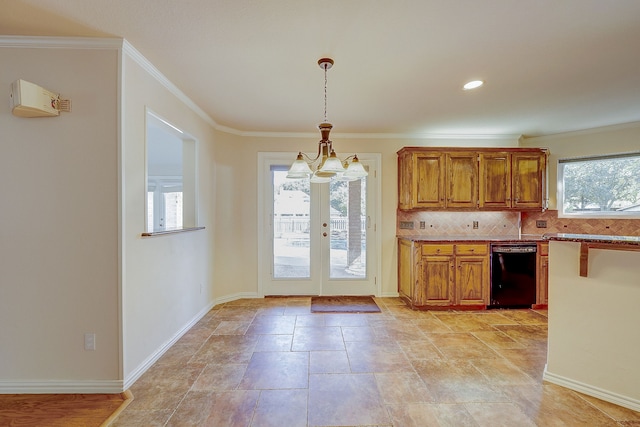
<point x="550" y="66"/>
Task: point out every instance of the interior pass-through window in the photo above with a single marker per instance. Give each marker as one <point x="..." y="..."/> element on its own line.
<point x="171" y="177"/>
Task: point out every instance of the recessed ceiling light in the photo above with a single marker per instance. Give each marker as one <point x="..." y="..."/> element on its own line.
<point x="472" y="85"/>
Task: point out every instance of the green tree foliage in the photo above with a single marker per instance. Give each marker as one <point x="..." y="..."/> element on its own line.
<point x="295" y="185"/>
<point x="603" y="185"/>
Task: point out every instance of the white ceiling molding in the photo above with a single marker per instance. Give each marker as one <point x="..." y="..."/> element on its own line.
<point x="590" y="131"/>
<point x="61" y="42"/>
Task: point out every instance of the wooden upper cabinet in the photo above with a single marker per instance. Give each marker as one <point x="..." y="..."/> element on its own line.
<point x="462" y="180"/>
<point x="421" y="179"/>
<point x="429" y="180"/>
<point x="495" y="180"/>
<point x="472" y="178"/>
<point x="528" y="180"/>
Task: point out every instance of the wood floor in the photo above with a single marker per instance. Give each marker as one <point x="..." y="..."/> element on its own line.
<point x="61" y="410"/>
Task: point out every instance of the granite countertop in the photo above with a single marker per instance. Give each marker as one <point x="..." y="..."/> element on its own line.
<point x="467" y="238"/>
<point x="593" y="238"/>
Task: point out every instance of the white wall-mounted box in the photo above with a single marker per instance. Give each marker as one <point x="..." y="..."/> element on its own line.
<point x="30" y="100"/>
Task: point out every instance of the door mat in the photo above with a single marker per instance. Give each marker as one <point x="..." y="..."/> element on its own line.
<point x="344" y="304"/>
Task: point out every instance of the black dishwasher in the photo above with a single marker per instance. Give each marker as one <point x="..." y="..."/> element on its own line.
<point x="513" y="275"/>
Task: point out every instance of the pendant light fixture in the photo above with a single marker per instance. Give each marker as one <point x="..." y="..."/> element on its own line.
<point x="329" y="167"/>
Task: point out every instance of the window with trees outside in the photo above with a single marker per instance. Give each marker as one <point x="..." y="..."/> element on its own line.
<point x="600" y="187"/>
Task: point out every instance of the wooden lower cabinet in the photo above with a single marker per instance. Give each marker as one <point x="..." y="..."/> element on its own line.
<point x="443" y="275"/>
<point x="407" y="266"/>
<point x="542" y="270"/>
<point x="436" y="285"/>
<point x="472" y="280"/>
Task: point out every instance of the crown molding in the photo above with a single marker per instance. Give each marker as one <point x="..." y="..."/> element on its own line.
<point x="590" y="131"/>
<point x="420" y="136"/>
<point x="128" y="49"/>
<point x="143" y="62"/>
<point x="61" y="42"/>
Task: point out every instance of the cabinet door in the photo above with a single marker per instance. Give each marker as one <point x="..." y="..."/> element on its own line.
<point x="472" y="280"/>
<point x="405" y="186"/>
<point x="405" y="268"/>
<point x="462" y="180"/>
<point x="436" y="281"/>
<point x="495" y="180"/>
<point x="428" y="180"/>
<point x="528" y="184"/>
<point x="542" y="261"/>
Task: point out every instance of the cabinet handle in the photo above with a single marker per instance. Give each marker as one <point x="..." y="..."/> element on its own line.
<point x="324" y="234"/>
<point x="472" y="249"/>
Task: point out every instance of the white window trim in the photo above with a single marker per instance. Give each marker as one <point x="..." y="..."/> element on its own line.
<point x="594" y="214"/>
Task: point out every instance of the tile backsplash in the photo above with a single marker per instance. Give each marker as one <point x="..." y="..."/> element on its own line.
<point x="613" y="227"/>
<point x="438" y="223"/>
<point x="457" y="223"/>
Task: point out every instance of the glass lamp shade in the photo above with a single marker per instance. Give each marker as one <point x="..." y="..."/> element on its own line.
<point x="299" y="169"/>
<point x="319" y="178"/>
<point x="355" y="169"/>
<point x="332" y="164"/>
<point x="345" y="177"/>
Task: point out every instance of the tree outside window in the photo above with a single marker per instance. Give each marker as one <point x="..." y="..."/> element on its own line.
<point x="600" y="186"/>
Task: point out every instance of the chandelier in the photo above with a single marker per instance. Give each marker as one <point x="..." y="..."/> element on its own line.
<point x="329" y="167"/>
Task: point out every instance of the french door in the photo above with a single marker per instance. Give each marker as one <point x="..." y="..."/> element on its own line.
<point x="317" y="239"/>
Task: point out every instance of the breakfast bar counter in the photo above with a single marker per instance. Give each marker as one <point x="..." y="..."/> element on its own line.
<point x="594" y="293"/>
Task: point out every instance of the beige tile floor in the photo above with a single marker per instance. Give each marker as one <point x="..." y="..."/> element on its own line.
<point x="271" y="362"/>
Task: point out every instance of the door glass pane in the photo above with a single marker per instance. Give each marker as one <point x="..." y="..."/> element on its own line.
<point x="348" y="248"/>
<point x="291" y="226"/>
<point x="173" y="210"/>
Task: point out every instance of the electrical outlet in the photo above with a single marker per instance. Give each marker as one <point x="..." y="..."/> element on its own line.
<point x="422" y="225"/>
<point x="90" y="342"/>
<point x="475" y="225"/>
<point x="406" y="225"/>
<point x="541" y="224"/>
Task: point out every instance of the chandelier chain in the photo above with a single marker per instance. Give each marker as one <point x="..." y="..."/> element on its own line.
<point x="325" y="93"/>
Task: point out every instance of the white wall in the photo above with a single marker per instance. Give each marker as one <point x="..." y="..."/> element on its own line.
<point x="167" y="280"/>
<point x="593" y="323"/>
<point x="72" y="259"/>
<point x="592" y="142"/>
<point x="58" y="223"/>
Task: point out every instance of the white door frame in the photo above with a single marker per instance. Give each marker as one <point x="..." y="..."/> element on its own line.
<point x="265" y="159"/>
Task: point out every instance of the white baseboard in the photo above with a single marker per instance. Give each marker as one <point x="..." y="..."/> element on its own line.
<point x="390" y="295"/>
<point x="607" y="396"/>
<point x="153" y="358"/>
<point x="233" y="297"/>
<point x="61" y="387"/>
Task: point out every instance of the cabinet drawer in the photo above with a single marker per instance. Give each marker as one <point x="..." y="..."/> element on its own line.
<point x="472" y="249"/>
<point x="437" y="250"/>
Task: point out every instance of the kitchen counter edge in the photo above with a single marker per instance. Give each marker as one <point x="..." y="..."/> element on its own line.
<point x="482" y="239"/>
<point x="593" y="238"/>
